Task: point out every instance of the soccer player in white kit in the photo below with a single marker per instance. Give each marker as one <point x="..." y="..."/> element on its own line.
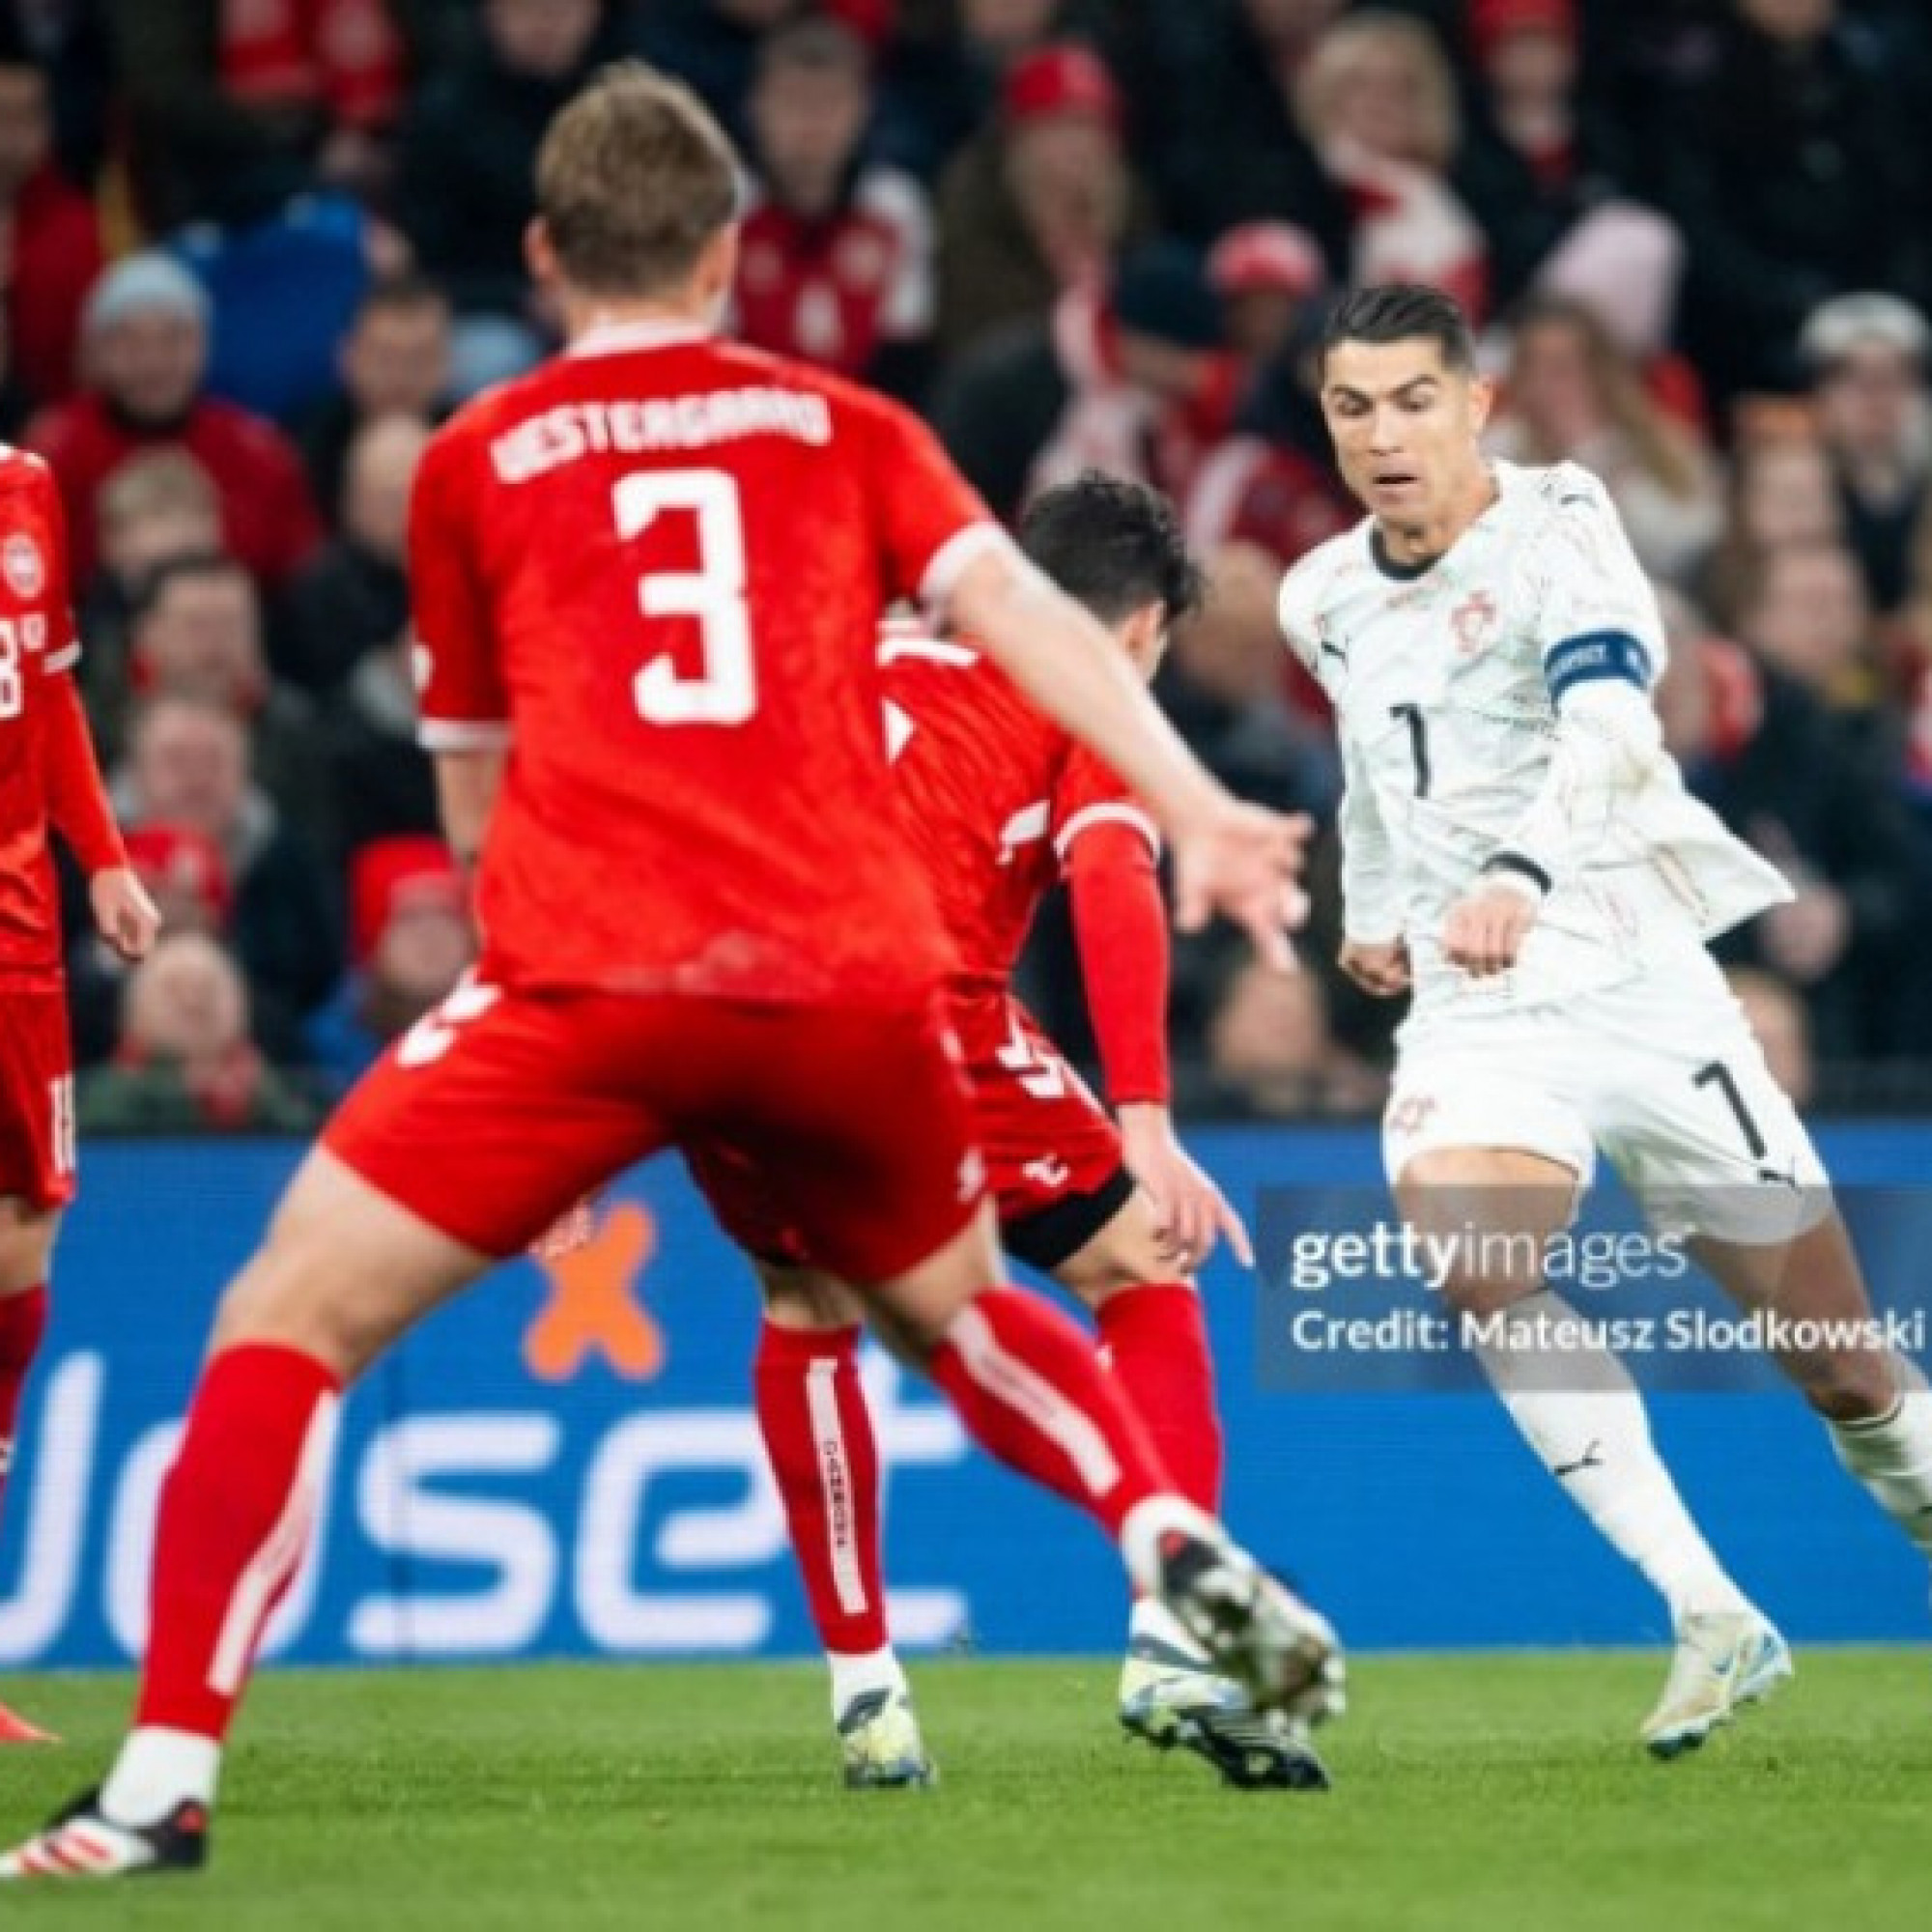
<point x="1519" y="853"/>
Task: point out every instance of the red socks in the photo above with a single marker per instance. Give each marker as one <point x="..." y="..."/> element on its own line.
<point x="23" y="1320"/>
<point x="819" y="1434"/>
<point x="1155" y="1341"/>
<point x="235" y="1519"/>
<point x="1030" y="1388"/>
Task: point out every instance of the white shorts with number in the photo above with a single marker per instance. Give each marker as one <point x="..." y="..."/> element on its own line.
<point x="1661" y="1073"/>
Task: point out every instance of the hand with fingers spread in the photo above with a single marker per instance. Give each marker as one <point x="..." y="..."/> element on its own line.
<point x="1244" y="863"/>
<point x="1379" y="967"/>
<point x="1194" y="1214"/>
<point x="1486" y="928"/>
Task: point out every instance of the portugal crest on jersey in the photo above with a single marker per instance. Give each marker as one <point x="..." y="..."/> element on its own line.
<point x="1473" y="623"/>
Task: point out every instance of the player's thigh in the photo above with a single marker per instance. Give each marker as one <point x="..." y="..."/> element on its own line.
<point x="1688" y="1112"/>
<point x="37" y="1132"/>
<point x="1126" y="1250"/>
<point x="1488" y="1150"/>
<point x="491" y="1117"/>
<point x="806" y="1299"/>
<point x="343" y="1272"/>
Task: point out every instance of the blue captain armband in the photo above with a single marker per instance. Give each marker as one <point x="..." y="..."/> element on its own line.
<point x="1593" y="656"/>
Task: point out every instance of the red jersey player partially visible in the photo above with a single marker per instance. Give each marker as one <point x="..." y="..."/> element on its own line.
<point x="646" y="580"/>
<point x="999" y="803"/>
<point x="49" y="780"/>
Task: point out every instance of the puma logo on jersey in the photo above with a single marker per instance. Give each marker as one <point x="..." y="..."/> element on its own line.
<point x="1026" y="826"/>
<point x="1050" y="1173"/>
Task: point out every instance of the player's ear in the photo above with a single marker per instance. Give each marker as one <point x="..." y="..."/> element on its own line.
<point x="540" y="252"/>
<point x="717" y="271"/>
<point x="1482" y="400"/>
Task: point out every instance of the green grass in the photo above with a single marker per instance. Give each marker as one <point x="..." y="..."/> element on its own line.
<point x="1493" y="1791"/>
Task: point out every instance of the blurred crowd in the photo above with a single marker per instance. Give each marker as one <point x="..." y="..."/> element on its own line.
<point x="255" y="249"/>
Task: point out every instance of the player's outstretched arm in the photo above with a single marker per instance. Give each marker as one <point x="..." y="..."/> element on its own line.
<point x="1231" y="858"/>
<point x="466" y="784"/>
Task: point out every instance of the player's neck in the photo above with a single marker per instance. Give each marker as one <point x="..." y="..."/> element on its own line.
<point x="1413" y="545"/>
<point x="588" y="315"/>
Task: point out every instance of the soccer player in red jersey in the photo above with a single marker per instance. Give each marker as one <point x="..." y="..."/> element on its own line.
<point x="49" y="779"/>
<point x="999" y="803"/>
<point x="647" y="581"/>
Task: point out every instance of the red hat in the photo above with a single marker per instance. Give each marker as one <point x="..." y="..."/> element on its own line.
<point x="1267" y="255"/>
<point x="1066" y="78"/>
<point x="177" y="858"/>
<point x="1491" y="19"/>
<point x="404" y="873"/>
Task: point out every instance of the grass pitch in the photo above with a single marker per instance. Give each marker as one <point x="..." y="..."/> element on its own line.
<point x="1484" y="1792"/>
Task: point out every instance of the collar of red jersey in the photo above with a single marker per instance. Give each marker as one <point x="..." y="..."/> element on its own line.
<point x="616" y="338"/>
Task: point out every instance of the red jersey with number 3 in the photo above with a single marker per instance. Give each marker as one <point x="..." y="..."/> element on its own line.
<point x="992" y="793"/>
<point x="37" y="643"/>
<point x="654" y="569"/>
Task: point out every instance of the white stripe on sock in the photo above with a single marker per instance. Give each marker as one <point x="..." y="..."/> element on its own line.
<point x="1008" y="1381"/>
<point x="835" y="1482"/>
<point x="275" y="1561"/>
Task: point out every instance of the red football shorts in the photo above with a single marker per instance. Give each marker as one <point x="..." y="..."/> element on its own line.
<point x="1047" y="1142"/>
<point x="493" y="1116"/>
<point x="35" y="1097"/>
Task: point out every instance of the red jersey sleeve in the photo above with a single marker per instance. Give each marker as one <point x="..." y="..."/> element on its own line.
<point x="1109" y="848"/>
<point x="461" y="698"/>
<point x="932" y="522"/>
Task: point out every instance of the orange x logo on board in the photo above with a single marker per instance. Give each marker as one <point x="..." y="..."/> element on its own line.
<point x="594" y="1307"/>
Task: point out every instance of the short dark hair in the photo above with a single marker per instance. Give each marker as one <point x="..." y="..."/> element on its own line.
<point x="404" y="292"/>
<point x="815" y="43"/>
<point x="196" y="567"/>
<point x="1113" y="546"/>
<point x="1402" y="312"/>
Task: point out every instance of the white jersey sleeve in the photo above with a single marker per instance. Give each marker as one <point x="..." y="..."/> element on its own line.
<point x="1603" y="645"/>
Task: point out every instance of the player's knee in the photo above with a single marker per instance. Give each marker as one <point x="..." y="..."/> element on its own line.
<point x="1126" y="1253"/>
<point x="807" y="1298"/>
<point x="1853" y="1388"/>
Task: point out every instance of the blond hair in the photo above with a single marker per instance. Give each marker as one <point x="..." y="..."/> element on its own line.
<point x="634" y="179"/>
<point x="1338" y="58"/>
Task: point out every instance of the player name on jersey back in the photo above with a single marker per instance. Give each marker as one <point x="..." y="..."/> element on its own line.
<point x="641" y="425"/>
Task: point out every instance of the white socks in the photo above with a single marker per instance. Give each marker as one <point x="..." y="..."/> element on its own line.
<point x="855" y="1674"/>
<point x="1891" y="1456"/>
<point x="156" y="1769"/>
<point x="1579" y="1410"/>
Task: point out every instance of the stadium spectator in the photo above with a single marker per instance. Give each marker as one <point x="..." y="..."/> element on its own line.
<point x="49" y="234"/>
<point x="195" y="631"/>
<point x="1781" y="1026"/>
<point x="1213" y="87"/>
<point x="1271" y="1052"/>
<point x="1222" y="684"/>
<point x="188" y="765"/>
<point x="382" y="780"/>
<point x="185" y="1062"/>
<point x="1041" y="201"/>
<point x="411" y="940"/>
<point x="1782" y="772"/>
<point x="1135" y="380"/>
<point x="1806" y="615"/>
<point x="1378" y="100"/>
<point x="711" y="44"/>
<point x="352" y="598"/>
<point x="466" y="191"/>
<point x="1536" y="157"/>
<point x="1570" y="395"/>
<point x="1782" y="494"/>
<point x="1868" y="358"/>
<point x="394" y="361"/>
<point x="1793" y="174"/>
<point x="235" y="109"/>
<point x="155" y="508"/>
<point x="144" y="343"/>
<point x="835" y="260"/>
<point x="1269" y="482"/>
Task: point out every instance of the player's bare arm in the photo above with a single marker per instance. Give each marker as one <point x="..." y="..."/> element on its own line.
<point x="1194" y="1214"/>
<point x="466" y="784"/>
